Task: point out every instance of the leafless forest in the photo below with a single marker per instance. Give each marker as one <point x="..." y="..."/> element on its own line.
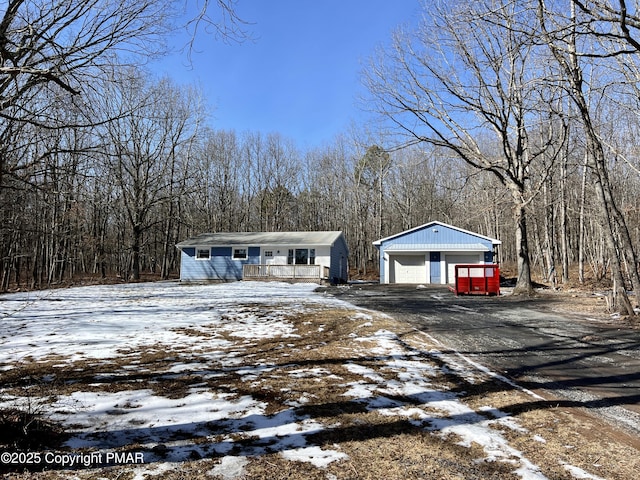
<point x="518" y="120"/>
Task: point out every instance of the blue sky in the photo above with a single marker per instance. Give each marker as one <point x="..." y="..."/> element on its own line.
<point x="301" y="76"/>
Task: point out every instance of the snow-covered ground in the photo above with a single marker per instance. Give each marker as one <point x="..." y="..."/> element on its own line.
<point x="199" y="326"/>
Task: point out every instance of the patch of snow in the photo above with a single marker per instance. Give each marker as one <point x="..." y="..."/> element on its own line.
<point x="360" y="390"/>
<point x="155" y="470"/>
<point x="315" y="455"/>
<point x="95" y="322"/>
<point x="580" y="474"/>
<point x="230" y="468"/>
<point x="194" y="326"/>
<point x="365" y="372"/>
<point x="112" y="420"/>
<point x="455" y="417"/>
<point x="362" y="316"/>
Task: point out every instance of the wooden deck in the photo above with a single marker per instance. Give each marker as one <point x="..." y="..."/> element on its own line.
<point x="295" y="273"/>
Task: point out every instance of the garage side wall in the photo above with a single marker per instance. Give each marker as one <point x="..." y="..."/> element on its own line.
<point x="339" y="267"/>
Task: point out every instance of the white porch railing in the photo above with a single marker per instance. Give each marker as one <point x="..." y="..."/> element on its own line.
<point x="299" y="273"/>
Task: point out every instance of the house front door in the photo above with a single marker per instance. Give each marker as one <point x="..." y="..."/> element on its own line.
<point x="302" y="256"/>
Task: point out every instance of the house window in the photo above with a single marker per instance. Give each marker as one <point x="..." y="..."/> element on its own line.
<point x="301" y="256"/>
<point x="239" y="253"/>
<point x="268" y="253"/>
<point x="203" y="253"/>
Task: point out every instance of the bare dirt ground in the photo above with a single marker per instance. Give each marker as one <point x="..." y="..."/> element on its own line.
<point x="565" y="443"/>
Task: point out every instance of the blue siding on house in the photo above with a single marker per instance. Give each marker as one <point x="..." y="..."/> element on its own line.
<point x="221" y="251"/>
<point x="220" y="266"/>
<point x="435" y="238"/>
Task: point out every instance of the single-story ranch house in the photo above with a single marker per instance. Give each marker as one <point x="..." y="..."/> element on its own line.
<point x="430" y="253"/>
<point x="299" y="256"/>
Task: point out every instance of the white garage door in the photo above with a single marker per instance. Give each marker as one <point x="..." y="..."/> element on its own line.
<point x="453" y="260"/>
<point x="408" y="269"/>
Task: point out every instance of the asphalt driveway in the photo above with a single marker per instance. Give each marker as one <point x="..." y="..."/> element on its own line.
<point x="580" y="361"/>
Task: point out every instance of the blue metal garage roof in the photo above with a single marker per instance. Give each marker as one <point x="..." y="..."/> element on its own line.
<point x="431" y="234"/>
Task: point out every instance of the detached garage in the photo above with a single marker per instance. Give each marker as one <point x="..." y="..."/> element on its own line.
<point x="430" y="253"/>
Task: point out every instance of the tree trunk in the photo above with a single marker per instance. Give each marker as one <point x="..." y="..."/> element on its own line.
<point x="549" y="236"/>
<point x="629" y="254"/>
<point x="564" y="228"/>
<point x="607" y="209"/>
<point x="523" y="284"/>
<point x="135" y="253"/>
<point x="581" y="225"/>
<point x="164" y="272"/>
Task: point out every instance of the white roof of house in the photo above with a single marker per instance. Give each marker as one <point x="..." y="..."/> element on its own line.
<point x="262" y="238"/>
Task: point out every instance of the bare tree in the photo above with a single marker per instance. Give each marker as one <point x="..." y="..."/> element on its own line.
<point x="144" y="147"/>
<point x="560" y="33"/>
<point x="612" y="20"/>
<point x="371" y="171"/>
<point x="52" y="48"/>
<point x="466" y="82"/>
<point x="61" y="42"/>
<point x="278" y="181"/>
<point x="218" y="171"/>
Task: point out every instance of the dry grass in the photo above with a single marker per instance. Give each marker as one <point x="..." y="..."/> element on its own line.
<point x="378" y="446"/>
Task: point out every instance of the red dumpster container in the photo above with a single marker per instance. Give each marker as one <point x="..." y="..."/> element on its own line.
<point x="475" y="279"/>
